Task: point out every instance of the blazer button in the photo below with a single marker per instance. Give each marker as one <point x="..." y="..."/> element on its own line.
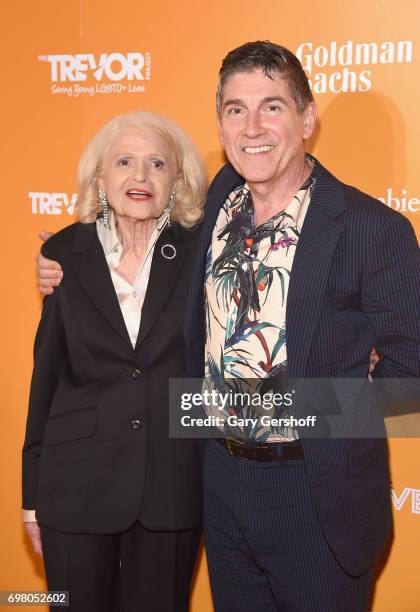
<point x="135" y="373"/>
<point x="136" y="423"/>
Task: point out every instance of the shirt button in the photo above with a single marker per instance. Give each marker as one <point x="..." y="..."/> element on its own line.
<point x="136" y="423"/>
<point x="135" y="373"/>
<point x="134" y="293"/>
<point x="116" y="249"/>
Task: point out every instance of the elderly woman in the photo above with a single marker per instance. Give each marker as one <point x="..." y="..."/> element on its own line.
<point x="113" y="501"/>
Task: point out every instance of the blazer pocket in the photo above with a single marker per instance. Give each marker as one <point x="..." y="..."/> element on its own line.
<point x="70" y="426"/>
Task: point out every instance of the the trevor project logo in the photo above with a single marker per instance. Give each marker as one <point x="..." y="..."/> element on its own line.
<point x="101" y="73"/>
<point x="407" y="497"/>
<point x="43" y="203"/>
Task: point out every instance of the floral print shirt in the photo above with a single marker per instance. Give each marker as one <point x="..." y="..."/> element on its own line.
<point x="247" y="279"/>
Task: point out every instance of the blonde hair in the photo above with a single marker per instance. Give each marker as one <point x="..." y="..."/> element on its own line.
<point x="191" y="191"/>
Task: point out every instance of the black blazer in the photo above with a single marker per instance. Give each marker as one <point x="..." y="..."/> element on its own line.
<point x="354" y="285"/>
<point x="97" y="452"/>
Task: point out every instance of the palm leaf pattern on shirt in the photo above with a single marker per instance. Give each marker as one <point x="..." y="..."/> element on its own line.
<point x="246" y="280"/>
<point x="233" y="274"/>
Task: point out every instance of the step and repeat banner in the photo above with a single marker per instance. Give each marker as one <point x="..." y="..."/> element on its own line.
<point x="67" y="68"/>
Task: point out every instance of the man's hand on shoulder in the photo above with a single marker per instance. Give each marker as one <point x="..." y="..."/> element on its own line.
<point x="49" y="272"/>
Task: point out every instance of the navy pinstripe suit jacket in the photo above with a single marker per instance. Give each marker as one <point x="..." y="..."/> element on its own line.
<point x="354" y="285"/>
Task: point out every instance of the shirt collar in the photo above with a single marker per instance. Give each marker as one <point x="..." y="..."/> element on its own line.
<point x="244" y="198"/>
<point x="109" y="237"/>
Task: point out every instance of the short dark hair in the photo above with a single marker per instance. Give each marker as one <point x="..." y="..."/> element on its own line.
<point x="270" y="58"/>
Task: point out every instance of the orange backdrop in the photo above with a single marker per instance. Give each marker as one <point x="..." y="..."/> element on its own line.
<point x="69" y="67"/>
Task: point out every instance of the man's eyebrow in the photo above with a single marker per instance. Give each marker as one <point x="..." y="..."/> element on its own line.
<point x="267" y="100"/>
<point x="275" y="99"/>
<point x="231" y="101"/>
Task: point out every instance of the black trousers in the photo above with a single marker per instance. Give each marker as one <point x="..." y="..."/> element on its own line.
<point x="134" y="571"/>
<point x="264" y="544"/>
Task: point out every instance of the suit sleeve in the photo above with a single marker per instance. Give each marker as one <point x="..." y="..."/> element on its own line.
<point x="390" y="298"/>
<point x="49" y="356"/>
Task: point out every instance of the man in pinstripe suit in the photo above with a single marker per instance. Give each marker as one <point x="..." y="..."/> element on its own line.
<point x="294" y="523"/>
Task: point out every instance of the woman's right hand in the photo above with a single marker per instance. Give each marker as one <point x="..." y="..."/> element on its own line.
<point x="49" y="271"/>
<point x="34" y="532"/>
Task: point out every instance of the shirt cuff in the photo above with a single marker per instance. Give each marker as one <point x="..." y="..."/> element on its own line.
<point x="29" y="516"/>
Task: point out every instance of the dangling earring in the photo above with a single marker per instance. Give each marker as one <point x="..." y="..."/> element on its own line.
<point x="103" y="203"/>
<point x="170" y="206"/>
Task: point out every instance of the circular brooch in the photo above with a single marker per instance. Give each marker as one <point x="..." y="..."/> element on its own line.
<point x="168" y="251"/>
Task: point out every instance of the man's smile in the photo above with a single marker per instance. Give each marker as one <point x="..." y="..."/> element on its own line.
<point x="259" y="149"/>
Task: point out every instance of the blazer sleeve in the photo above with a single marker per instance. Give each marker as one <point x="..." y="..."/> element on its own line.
<point x="390" y="298"/>
<point x="49" y="356"/>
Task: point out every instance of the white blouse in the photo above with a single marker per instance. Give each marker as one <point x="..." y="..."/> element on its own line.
<point x="130" y="297"/>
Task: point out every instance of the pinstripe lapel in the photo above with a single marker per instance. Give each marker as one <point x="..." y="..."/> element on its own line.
<point x="314" y="253"/>
<point x="224" y="182"/>
<point x="227" y="180"/>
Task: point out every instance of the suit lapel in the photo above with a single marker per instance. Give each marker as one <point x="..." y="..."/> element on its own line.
<point x="89" y="266"/>
<point x="227" y="180"/>
<point x="222" y="185"/>
<point x="320" y="234"/>
<point x="164" y="274"/>
<point x="194" y="330"/>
